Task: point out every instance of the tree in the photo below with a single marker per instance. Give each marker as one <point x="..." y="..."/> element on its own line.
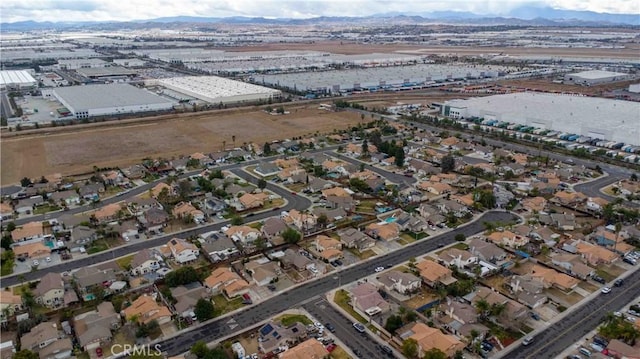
<point x="25" y="182"/>
<point x="11" y="227"/>
<point x="291" y="236"/>
<point x="483" y="307"/>
<point x="262" y="183"/>
<point x="447" y="164"/>
<point x="184" y="190"/>
<point x="434" y="353"/>
<point x="6" y="242"/>
<point x="634" y="177"/>
<point x="25" y="354"/>
<point x="399" y="157"/>
<point x="497" y="309"/>
<point x="182" y="276"/>
<point x="323" y="220"/>
<point x="393" y="323"/>
<point x="237" y="220"/>
<point x="204" y="310"/>
<point x="266" y="149"/>
<point x="365" y="147"/>
<point x="460" y="237"/>
<point x="199" y="349"/>
<point x="410" y="348"/>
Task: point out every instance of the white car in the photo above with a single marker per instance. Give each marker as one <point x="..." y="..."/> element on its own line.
<point x="606" y="290"/>
<point x="36" y="263"/>
<point x="318" y="325"/>
<point x="379" y="269"/>
<point x="48" y="259"/>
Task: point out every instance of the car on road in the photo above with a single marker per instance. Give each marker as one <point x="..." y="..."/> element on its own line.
<point x="357" y="353"/>
<point x="379" y="269"/>
<point x="359" y="327"/>
<point x="527" y="341"/>
<point x="605" y="290"/>
<point x="387" y="350"/>
<point x="618" y="283"/>
<point x="330" y="327"/>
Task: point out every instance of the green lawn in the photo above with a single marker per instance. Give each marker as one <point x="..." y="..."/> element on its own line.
<point x="362" y="255"/>
<point x="125" y="262"/>
<point x="406" y="238"/>
<point x="290" y="319"/>
<point x="342" y="299"/>
<point x="7" y="267"/>
<point x="98" y="246"/>
<point x="45" y="209"/>
<point x="221" y="305"/>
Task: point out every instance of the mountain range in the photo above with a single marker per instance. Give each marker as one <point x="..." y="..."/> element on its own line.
<point x="524" y="15"/>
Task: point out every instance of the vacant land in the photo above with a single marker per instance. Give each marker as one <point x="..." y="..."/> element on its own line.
<point x="77" y="150"/>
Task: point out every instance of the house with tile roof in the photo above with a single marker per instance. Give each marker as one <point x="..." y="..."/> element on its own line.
<point x="40" y="336"/>
<point x="183" y="251"/>
<point x="145" y="309"/>
<point x="456" y="257"/>
<point x="309" y="349"/>
<point x="507" y="238"/>
<point x="10" y="303"/>
<point x="93" y="329"/>
<point x="534" y="204"/>
<point x="329" y="248"/>
<point x="50" y="290"/>
<point x="486" y="251"/>
<point x="224" y="280"/>
<point x="186" y="209"/>
<point x="552" y="278"/>
<point x="31" y="231"/>
<point x="353" y="238"/>
<point x="434" y="274"/>
<point x="157" y="189"/>
<point x="243" y="234"/>
<point x="33" y="250"/>
<point x="108" y="213"/>
<point x="383" y="230"/>
<point x="573" y="265"/>
<point x="431" y="338"/>
<point x="594" y="254"/>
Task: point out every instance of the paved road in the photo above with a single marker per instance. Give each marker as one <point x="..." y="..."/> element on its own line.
<point x="217" y="328"/>
<point x="297" y="202"/>
<point x="322" y="310"/>
<point x="578" y="323"/>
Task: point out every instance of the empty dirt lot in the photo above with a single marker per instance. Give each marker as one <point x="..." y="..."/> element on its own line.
<point x="77" y="151"/>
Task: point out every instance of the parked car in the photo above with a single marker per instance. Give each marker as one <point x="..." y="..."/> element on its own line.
<point x="359" y="327"/>
<point x="605" y="290"/>
<point x="598" y="279"/>
<point x="618" y="283"/>
<point x="527" y="341"/>
<point x="534" y="315"/>
<point x="379" y="269"/>
<point x="330" y="327"/>
<point x="385" y="349"/>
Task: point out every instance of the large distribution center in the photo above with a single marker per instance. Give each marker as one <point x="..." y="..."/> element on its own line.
<point x="595" y="77"/>
<point x="19" y="79"/>
<point x="105" y="100"/>
<point x="614" y="120"/>
<point x="215" y="89"/>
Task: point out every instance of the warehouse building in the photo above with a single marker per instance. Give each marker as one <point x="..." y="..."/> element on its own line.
<point x="129" y="62"/>
<point x="613" y="120"/>
<point x="594" y="77"/>
<point x="17" y="80"/>
<point x="74" y="64"/>
<point x="216" y="90"/>
<point x="635" y="88"/>
<point x="107" y="100"/>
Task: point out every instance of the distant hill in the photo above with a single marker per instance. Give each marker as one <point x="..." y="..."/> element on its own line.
<point x="523" y="15"/>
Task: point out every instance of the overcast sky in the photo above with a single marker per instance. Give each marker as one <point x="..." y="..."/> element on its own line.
<point x="125" y="10"/>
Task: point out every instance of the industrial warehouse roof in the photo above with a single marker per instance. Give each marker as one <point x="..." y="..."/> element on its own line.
<point x="105" y="71"/>
<point x="105" y="96"/>
<point x="617" y="120"/>
<point x="209" y="88"/>
<point x="597" y="74"/>
<point x="19" y="77"/>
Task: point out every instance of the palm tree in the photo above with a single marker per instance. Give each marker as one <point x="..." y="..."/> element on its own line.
<point x="233" y="139"/>
<point x="483" y="307"/>
<point x="224" y="145"/>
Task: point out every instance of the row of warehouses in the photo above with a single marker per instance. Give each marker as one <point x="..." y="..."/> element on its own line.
<point x="601" y="118"/>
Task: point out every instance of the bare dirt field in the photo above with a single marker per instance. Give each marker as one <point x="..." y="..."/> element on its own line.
<point x="548" y="85"/>
<point x="349" y="48"/>
<point x="78" y="149"/>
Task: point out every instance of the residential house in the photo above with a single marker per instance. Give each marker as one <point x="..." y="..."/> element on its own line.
<point x="60" y="349"/>
<point x="82" y="236"/>
<point x="187" y="210"/>
<point x="309" y="349"/>
<point x="507" y="238"/>
<point x="595" y="255"/>
<point x="33" y="250"/>
<point x="329" y="248"/>
<point x="93" y="329"/>
<point x="273" y="335"/>
<point x="436" y="188"/>
<point x="534" y="204"/>
<point x="145" y="309"/>
<point x="386" y="231"/>
<point x="431" y="338"/>
<point x="109" y="213"/>
<point x="263" y="271"/>
<point x="337" y="168"/>
<point x="50" y="290"/>
<point x="10" y="303"/>
<point x="403" y="283"/>
<point x="596" y="204"/>
<point x="187" y="297"/>
<point x="303" y="221"/>
<point x="434" y="274"/>
<point x="250" y="201"/>
<point x="114" y="178"/>
<point x="31" y="231"/>
<point x="265" y="169"/>
<point x="569" y="199"/>
<point x="224" y="280"/>
<point x="317" y="184"/>
<point x="409" y="222"/>
<point x="431" y="214"/>
<point x="137" y="206"/>
<point x="217" y="246"/>
<point x="449" y="206"/>
<point x="40" y="336"/>
<point x="91" y="191"/>
<point x="457" y="257"/>
<point x="27" y="205"/>
<point x="65" y="198"/>
<point x="183" y="251"/>
<point x="157" y="189"/>
<point x="8" y="345"/>
<point x="154" y="219"/>
<point x="89" y="278"/>
<point x="461" y="319"/>
<point x="144" y="261"/>
<point x="619" y="349"/>
<point x="243" y="234"/>
<point x="562" y="221"/>
<point x="422" y="168"/>
<point x="295" y="260"/>
<point x="273" y="227"/>
<point x="512" y="312"/>
<point x="135" y="172"/>
<point x="366" y="299"/>
<point x="528" y="290"/>
<point x="486" y="251"/>
<point x="346" y="203"/>
<point x="544" y="234"/>
<point x="552" y="278"/>
<point x="127" y="230"/>
<point x="573" y="265"/>
<point x="353" y="238"/>
<point x="450" y="143"/>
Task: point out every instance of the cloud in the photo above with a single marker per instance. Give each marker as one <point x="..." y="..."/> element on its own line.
<point x="126" y="10"/>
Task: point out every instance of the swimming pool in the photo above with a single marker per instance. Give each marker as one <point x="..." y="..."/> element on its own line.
<point x="390" y="219"/>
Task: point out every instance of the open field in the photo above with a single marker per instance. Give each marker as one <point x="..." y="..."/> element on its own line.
<point x="78" y="149"/>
